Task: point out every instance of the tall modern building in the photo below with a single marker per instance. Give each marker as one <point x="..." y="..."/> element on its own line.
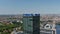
<point x="31" y="23"/>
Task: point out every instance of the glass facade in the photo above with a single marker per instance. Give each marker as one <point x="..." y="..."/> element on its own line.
<point x="36" y="24"/>
<point x="31" y="24"/>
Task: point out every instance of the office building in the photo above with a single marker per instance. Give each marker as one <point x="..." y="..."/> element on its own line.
<point x="31" y="23"/>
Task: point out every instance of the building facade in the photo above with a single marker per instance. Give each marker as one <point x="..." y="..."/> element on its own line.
<point x="31" y="23"/>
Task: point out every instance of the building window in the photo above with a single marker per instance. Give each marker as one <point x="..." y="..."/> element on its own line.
<point x="31" y="19"/>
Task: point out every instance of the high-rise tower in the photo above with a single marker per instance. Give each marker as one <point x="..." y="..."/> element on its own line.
<point x="31" y="23"/>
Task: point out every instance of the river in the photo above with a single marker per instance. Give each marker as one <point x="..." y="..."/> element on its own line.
<point x="57" y="29"/>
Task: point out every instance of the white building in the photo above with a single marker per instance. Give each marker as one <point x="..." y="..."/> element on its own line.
<point x="19" y="32"/>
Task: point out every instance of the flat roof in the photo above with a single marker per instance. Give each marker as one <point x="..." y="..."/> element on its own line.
<point x="31" y="14"/>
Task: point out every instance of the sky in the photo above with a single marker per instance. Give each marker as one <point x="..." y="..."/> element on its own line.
<point x="50" y="6"/>
<point x="29" y="6"/>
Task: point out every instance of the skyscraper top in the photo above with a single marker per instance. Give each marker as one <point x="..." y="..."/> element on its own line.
<point x="31" y="14"/>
